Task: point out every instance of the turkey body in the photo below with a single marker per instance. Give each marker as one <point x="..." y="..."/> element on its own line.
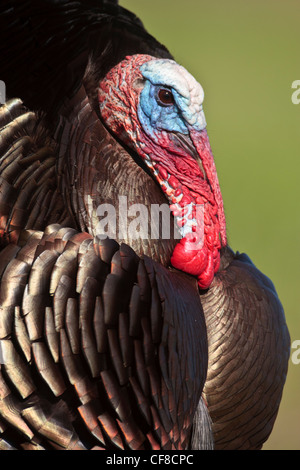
<point x="104" y="344"/>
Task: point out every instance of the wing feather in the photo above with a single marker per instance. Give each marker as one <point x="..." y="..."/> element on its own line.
<point x="83" y="322"/>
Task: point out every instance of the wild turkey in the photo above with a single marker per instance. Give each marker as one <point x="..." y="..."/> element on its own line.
<point x="126" y="343"/>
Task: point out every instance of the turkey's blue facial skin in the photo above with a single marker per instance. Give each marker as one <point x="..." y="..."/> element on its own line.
<point x="153" y="116"/>
<point x="184" y="113"/>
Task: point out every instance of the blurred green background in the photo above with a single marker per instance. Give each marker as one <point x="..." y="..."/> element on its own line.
<point x="246" y="56"/>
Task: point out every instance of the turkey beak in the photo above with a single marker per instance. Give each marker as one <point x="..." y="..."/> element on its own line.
<point x="185" y="143"/>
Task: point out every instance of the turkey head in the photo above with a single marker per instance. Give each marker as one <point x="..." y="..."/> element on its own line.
<point x="155" y="107"/>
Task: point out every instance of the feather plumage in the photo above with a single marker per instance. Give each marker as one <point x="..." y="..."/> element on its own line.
<point x="104" y="345"/>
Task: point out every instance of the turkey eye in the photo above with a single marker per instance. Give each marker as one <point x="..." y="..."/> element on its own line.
<point x="165" y="97"/>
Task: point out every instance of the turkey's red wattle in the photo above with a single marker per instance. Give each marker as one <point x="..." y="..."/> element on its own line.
<point x="203" y="259"/>
<point x="198" y="262"/>
<point x="198" y="252"/>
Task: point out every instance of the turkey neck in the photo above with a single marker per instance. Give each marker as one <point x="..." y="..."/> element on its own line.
<point x="95" y="170"/>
